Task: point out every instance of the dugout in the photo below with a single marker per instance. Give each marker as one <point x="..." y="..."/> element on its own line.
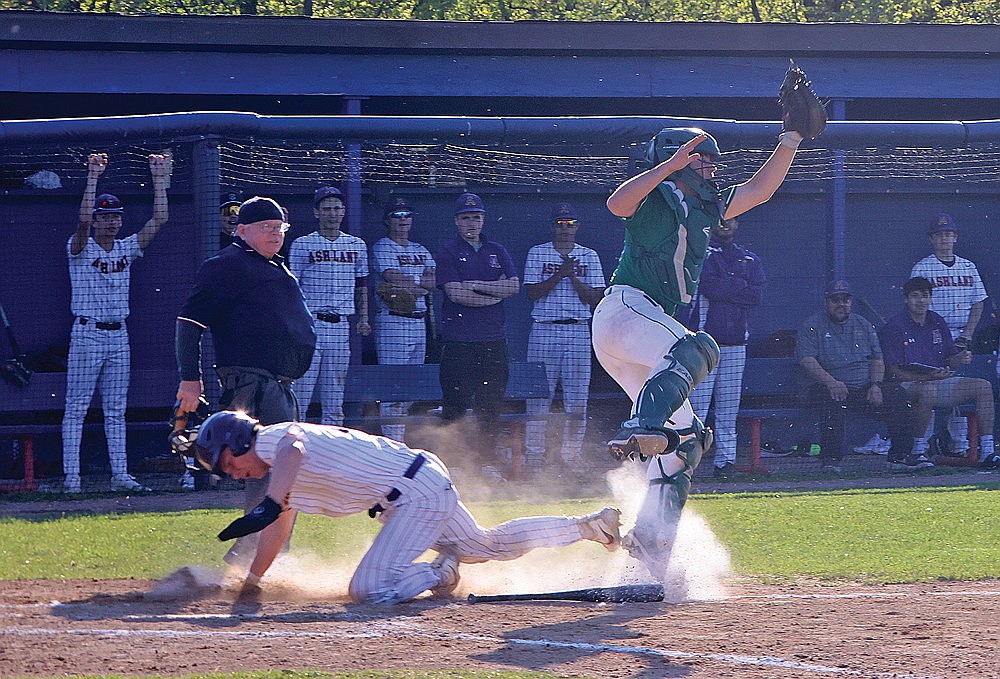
<point x="856" y="205"/>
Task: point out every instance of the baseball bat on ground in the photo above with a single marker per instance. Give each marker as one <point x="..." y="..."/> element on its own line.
<point x="617" y="594"/>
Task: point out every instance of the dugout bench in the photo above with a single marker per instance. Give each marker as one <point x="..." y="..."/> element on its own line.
<point x="27" y="412"/>
<point x="773" y="387"/>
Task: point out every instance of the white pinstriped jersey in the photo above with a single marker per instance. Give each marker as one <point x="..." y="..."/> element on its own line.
<point x="410" y="259"/>
<point x="326" y="270"/>
<point x="343" y="471"/>
<point x="100" y="279"/>
<point x="562" y="302"/>
<point x="956" y="288"/>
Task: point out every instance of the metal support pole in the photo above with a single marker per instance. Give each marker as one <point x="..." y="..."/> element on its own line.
<point x="206" y="177"/>
<point x="838" y="201"/>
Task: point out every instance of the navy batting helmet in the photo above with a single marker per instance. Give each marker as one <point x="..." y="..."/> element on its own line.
<point x="227" y="429"/>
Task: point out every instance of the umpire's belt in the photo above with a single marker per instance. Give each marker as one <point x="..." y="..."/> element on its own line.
<point x="564" y="321"/>
<point x="408" y="314"/>
<point x="280" y="379"/>
<point x="394" y="494"/>
<point x="328" y="317"/>
<point x="99" y="325"/>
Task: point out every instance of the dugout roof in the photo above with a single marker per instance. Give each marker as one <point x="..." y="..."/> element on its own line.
<point x="54" y="65"/>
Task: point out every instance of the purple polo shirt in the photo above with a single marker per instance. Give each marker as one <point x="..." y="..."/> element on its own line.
<point x="904" y="341"/>
<point x="458" y="261"/>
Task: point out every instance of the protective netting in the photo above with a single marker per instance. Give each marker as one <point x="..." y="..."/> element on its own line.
<point x="44" y="183"/>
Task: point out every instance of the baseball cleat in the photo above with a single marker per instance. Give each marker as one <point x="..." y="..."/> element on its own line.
<point x="877" y="445"/>
<point x="127" y="482"/>
<point x="635" y="442"/>
<point x="71" y="484"/>
<point x="187" y="481"/>
<point x="603" y="527"/>
<point x="446" y="564"/>
<point x="910" y="463"/>
<point x="990" y="462"/>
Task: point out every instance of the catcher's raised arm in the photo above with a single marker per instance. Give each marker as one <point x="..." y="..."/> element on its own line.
<point x="802" y="117"/>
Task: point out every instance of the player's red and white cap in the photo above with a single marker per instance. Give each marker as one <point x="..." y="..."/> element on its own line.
<point x="943" y="222"/>
<point x="108" y="204"/>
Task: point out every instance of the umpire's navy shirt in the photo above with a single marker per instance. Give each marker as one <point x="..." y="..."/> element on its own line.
<point x="458" y="261"/>
<point x="255" y="310"/>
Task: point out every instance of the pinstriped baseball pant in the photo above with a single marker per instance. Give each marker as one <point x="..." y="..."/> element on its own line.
<point x="101" y="359"/>
<point x="429" y="515"/>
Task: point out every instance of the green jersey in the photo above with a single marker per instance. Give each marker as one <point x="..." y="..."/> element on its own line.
<point x="665" y="244"/>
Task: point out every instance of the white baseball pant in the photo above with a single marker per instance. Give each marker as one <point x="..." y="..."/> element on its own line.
<point x="399" y="341"/>
<point x="726" y="383"/>
<point x="327" y="373"/>
<point x="101" y="359"/>
<point x="565" y="350"/>
<point x="429" y="515"/>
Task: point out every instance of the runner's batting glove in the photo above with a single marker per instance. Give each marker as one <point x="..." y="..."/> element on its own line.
<point x="259" y="518"/>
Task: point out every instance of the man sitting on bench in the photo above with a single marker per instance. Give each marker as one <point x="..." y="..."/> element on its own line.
<point x="918" y="347"/>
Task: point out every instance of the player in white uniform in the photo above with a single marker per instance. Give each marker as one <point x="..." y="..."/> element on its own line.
<point x="401" y="338"/>
<point x="565" y="282"/>
<point x="100" y="270"/>
<point x="337" y="471"/>
<point x="331" y="267"/>
<point x="958" y="298"/>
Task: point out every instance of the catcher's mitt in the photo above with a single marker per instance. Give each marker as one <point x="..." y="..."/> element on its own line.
<point x="397" y="299"/>
<point x="801" y="109"/>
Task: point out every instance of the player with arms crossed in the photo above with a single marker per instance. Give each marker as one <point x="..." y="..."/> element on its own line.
<point x="337" y="471"/>
<point x="100" y="271"/>
<point x="669" y="210"/>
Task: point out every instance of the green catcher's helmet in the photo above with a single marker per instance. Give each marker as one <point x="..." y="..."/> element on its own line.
<point x="669" y="139"/>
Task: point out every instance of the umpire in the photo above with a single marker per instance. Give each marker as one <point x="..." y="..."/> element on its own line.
<point x="262" y="332"/>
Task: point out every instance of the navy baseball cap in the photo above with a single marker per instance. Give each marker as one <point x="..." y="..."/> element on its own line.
<point x="108" y="204"/>
<point x="260" y="209"/>
<point x="231" y="198"/>
<point x="563" y="211"/>
<point x="326" y="192"/>
<point x="839" y="287"/>
<point x="396" y="204"/>
<point x="469" y="202"/>
<point x="943" y="222"/>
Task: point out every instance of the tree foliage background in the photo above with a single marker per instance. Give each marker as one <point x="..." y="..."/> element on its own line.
<point x="856" y="11"/>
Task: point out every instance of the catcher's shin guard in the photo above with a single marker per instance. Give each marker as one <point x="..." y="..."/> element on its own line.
<point x="651" y="541"/>
<point x="686" y="364"/>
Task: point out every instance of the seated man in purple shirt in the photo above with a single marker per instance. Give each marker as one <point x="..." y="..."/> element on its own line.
<point x="918" y="349"/>
<point x="476" y="275"/>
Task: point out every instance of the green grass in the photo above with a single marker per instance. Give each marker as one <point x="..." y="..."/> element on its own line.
<point x="900" y="535"/>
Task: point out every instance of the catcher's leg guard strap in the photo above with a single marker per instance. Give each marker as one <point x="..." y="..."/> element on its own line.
<point x="688" y="363"/>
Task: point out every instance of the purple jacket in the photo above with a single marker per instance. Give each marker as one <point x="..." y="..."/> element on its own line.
<point x="733" y="282"/>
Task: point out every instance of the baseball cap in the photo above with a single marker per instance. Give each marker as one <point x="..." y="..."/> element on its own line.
<point x="260" y="209"/>
<point x="563" y="211"/>
<point x="231" y="198"/>
<point x="396" y="204"/>
<point x="943" y="222"/>
<point x="469" y="202"/>
<point x="106" y="203"/>
<point x="838" y="287"/>
<point x="326" y="192"/>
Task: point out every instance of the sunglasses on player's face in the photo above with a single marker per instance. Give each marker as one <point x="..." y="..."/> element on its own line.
<point x="400" y="214"/>
<point x="231" y="211"/>
<point x="567" y="222"/>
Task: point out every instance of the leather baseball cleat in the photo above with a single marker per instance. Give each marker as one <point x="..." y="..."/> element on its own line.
<point x="642" y="443"/>
<point x="603" y="527"/>
<point x="446" y="564"/>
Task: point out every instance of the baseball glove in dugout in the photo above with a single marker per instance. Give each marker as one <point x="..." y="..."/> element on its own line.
<point x="801" y="109"/>
<point x="396" y="299"/>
